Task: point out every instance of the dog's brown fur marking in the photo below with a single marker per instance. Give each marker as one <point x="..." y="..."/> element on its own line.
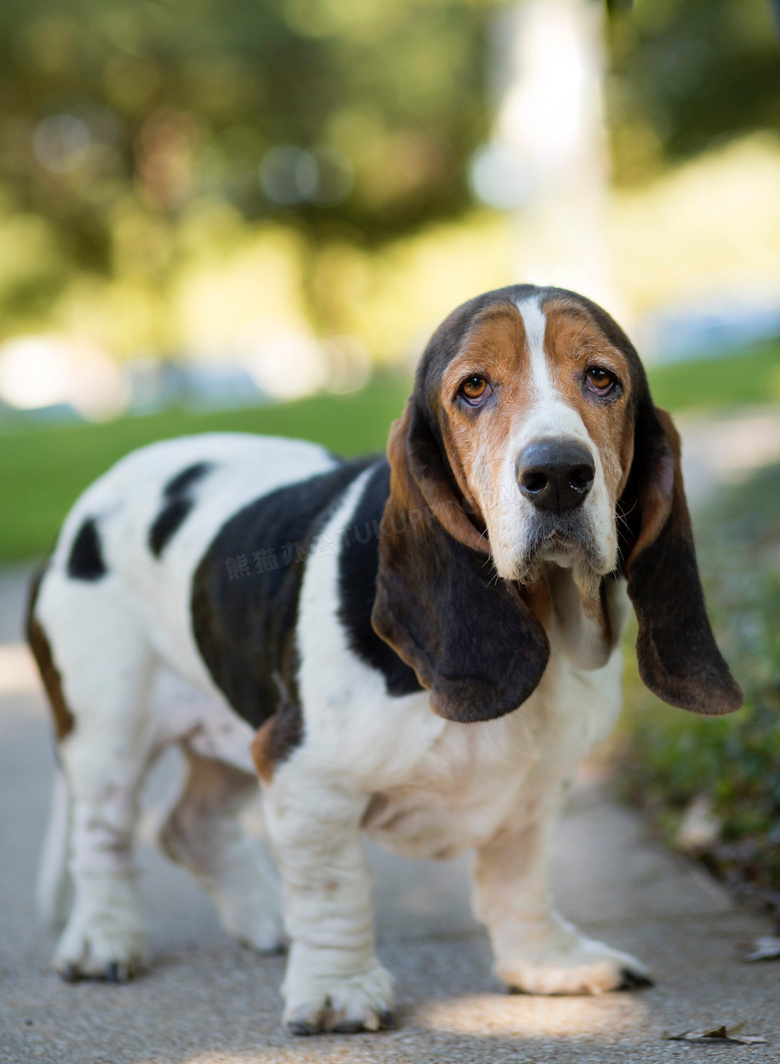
<point x="495" y="348"/>
<point x="261" y="750"/>
<point x="276" y="739"/>
<point x="573" y="343"/>
<point x="41" y="649"/>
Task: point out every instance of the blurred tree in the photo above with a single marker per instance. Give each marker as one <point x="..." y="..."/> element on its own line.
<point x="687" y="74"/>
<point x="352" y="122"/>
<point x="348" y="120"/>
<point x="167" y="101"/>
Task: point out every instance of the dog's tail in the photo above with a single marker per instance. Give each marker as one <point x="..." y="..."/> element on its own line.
<point x="54" y="889"/>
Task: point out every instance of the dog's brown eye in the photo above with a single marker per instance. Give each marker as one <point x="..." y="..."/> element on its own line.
<point x="600" y="381"/>
<point x="475" y="389"/>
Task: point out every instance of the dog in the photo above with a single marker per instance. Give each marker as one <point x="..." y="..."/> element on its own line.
<point x="421" y="647"/>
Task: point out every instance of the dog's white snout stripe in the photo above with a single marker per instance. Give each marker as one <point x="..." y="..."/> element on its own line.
<point x="535" y="324"/>
<point x="549" y="414"/>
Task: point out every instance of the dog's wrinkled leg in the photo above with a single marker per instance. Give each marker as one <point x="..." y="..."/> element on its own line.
<point x="536" y="951"/>
<point x="333" y="981"/>
<point x="106" y="666"/>
<point x="202" y="833"/>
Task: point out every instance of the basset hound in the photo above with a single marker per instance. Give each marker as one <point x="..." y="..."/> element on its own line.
<point x="421" y="647"/>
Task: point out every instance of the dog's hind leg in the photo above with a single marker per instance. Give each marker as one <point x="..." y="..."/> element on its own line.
<point x="54" y="889"/>
<point x="202" y="832"/>
<point x="97" y="667"/>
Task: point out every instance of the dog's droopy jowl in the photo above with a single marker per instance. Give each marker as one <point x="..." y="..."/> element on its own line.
<point x="421" y="647"/>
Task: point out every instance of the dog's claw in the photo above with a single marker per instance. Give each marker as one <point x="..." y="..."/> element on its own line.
<point x="346" y="1027"/>
<point x="634" y="981"/>
<point x="70" y="973"/>
<point x="301" y="1027"/>
<point x="112" y="973"/>
<point x="384" y="1020"/>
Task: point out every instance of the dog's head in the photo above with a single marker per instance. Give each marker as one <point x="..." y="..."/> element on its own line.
<point x="531" y="448"/>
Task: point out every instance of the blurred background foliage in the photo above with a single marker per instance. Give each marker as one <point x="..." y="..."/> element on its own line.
<point x="170" y="172"/>
<point x="688" y="74"/>
<point x="132" y="134"/>
<point x="721" y="778"/>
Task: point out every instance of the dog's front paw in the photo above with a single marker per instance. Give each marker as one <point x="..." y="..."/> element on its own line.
<point x="339" y="1004"/>
<point x="101" y="943"/>
<point x="587" y="967"/>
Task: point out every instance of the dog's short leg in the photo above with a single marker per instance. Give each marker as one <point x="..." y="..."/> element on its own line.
<point x="105" y="665"/>
<point x="536" y="951"/>
<point x="334" y="981"/>
<point x="203" y="834"/>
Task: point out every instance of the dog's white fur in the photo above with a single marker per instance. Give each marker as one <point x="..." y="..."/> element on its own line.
<point x="416" y="783"/>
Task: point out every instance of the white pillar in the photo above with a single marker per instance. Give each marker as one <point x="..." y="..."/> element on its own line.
<point x="549" y="62"/>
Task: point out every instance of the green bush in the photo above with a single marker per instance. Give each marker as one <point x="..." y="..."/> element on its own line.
<point x="672" y="756"/>
<point x="751" y="375"/>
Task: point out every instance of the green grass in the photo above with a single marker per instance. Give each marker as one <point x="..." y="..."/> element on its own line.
<point x="672" y="756"/>
<point x="42" y="471"/>
<point x="750" y="376"/>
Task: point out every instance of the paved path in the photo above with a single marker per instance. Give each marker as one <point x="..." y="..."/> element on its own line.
<point x="725" y="449"/>
<point x="207" y="1000"/>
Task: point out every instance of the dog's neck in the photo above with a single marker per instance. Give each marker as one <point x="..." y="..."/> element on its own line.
<point x="582" y="617"/>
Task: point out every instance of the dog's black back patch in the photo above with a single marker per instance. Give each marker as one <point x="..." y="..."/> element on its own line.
<point x="177" y="503"/>
<point x="191" y="475"/>
<point x="358" y="564"/>
<point x="85" y="561"/>
<point x="245" y="597"/>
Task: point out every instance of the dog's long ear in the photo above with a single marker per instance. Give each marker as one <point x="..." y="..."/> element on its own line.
<point x="678" y="658"/>
<point x="469" y="638"/>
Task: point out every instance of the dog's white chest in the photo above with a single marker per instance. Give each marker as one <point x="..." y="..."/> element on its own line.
<point x="436" y="787"/>
<point x="472" y="776"/>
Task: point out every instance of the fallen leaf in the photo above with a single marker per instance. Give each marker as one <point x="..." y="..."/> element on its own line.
<point x="766" y="948"/>
<point x="699" y="827"/>
<point x="731" y="1034"/>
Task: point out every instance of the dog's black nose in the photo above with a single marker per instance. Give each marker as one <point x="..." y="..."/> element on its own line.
<point x="555" y="474"/>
